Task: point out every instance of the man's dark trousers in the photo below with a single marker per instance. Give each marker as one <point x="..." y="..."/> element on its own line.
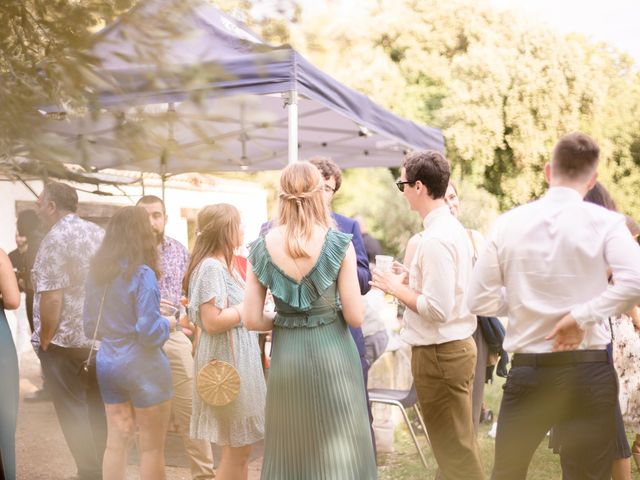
<point x="79" y="407"/>
<point x="577" y="399"/>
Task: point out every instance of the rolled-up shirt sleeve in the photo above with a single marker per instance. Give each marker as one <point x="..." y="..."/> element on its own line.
<point x="622" y="255"/>
<point x="486" y="295"/>
<point x="152" y="328"/>
<point x="437" y="296"/>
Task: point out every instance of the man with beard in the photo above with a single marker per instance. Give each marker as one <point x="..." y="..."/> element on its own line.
<point x="173" y="263"/>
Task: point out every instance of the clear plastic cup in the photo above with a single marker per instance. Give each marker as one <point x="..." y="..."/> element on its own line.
<point x="167" y="310"/>
<point x="384" y="263"/>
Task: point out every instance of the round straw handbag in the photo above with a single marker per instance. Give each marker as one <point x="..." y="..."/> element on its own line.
<point x="218" y="382"/>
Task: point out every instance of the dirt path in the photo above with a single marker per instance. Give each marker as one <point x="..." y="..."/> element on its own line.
<point x="42" y="453"/>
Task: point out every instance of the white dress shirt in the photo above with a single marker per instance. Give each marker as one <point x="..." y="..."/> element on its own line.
<point x="440" y="270"/>
<point x="551" y="257"/>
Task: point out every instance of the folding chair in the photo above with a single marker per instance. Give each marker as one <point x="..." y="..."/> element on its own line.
<point x="404" y="400"/>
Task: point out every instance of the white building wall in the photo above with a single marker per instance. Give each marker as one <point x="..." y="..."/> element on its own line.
<point x="249" y="198"/>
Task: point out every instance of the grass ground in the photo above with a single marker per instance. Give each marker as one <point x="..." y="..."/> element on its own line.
<point x="404" y="463"/>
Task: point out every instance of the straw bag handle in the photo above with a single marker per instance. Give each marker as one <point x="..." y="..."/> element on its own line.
<point x="233" y="354"/>
<point x="229" y="336"/>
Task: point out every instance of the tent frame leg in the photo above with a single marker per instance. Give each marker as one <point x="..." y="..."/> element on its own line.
<point x="291" y="103"/>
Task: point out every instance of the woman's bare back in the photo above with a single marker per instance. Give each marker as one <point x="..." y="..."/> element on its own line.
<point x="299" y="268"/>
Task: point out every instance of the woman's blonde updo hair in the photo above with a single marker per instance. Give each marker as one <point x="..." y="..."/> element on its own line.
<point x="301" y="205"/>
<point x="218" y="233"/>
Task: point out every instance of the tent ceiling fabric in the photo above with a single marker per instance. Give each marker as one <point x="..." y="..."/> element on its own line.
<point x="150" y="120"/>
<point x="249" y="134"/>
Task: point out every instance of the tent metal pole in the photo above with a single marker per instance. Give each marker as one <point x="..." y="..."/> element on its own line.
<point x="291" y="102"/>
<point x="163" y="171"/>
<point x="27" y="185"/>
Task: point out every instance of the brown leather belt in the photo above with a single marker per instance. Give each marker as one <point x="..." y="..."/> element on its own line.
<point x="558" y="358"/>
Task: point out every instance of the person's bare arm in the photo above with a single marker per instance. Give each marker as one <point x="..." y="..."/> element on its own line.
<point x="634" y="315"/>
<point x="253" y="314"/>
<point x="212" y="300"/>
<point x="410" y="250"/>
<point x="217" y="320"/>
<point x="8" y="284"/>
<point x="349" y="288"/>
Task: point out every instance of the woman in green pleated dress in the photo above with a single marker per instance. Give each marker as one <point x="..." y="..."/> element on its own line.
<point x="316" y="422"/>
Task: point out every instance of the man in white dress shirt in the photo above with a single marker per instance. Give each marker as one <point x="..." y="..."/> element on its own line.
<point x="545" y="267"/>
<point x="439" y="325"/>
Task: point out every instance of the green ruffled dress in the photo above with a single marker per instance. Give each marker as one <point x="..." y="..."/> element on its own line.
<point x="316" y="423"/>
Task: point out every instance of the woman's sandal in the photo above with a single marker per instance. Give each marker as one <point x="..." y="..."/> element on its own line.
<point x="635" y="451"/>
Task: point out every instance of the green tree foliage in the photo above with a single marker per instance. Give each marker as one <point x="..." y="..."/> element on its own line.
<point x="503" y="89"/>
<point x="43" y="60"/>
<point x="47" y="65"/>
<point x="373" y="195"/>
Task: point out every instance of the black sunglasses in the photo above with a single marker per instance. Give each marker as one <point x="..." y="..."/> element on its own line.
<point x="400" y="184"/>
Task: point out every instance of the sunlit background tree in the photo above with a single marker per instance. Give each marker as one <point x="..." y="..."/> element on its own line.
<point x="501" y="87"/>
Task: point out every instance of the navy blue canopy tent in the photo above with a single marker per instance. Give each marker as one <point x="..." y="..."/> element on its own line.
<point x="216" y="97"/>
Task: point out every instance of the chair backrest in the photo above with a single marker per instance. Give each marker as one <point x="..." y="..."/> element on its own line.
<point x="412" y="397"/>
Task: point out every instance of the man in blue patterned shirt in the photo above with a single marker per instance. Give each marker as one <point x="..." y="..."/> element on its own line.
<point x="173" y="264"/>
<point x="58" y="275"/>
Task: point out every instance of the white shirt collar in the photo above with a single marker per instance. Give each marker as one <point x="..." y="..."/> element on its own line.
<point x="433" y="215"/>
<point x="565" y="194"/>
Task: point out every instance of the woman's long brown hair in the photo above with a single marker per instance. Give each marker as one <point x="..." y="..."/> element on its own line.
<point x="128" y="243"/>
<point x="219" y="231"/>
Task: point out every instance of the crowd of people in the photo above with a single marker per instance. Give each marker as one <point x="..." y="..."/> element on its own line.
<point x="120" y="353"/>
